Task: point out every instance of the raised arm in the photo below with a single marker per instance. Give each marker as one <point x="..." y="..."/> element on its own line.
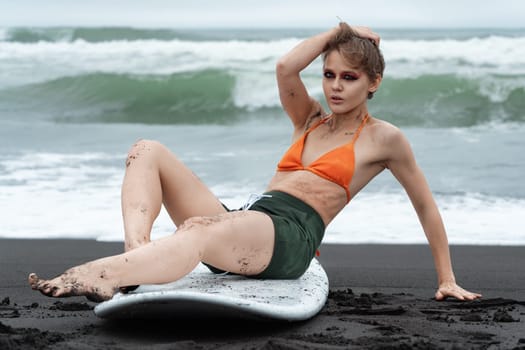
<point x="292" y="92"/>
<point x="403" y="166"/>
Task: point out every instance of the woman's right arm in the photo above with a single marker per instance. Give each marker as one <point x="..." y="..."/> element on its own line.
<point x="294" y="97"/>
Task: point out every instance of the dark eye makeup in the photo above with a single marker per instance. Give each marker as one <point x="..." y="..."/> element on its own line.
<point x="344" y="75"/>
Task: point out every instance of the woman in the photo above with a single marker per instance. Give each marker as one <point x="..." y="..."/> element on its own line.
<point x="331" y="159"/>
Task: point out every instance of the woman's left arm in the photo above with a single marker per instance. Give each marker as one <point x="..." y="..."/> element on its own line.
<point x="403" y="166"/>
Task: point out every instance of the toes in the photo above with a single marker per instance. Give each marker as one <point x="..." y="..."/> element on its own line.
<point x="44" y="286"/>
<point x="33" y="280"/>
<point x="39" y="284"/>
<point x="65" y="287"/>
<point x="46" y="289"/>
<point x="56" y="292"/>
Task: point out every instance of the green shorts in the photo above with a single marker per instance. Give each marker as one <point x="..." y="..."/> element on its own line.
<point x="299" y="230"/>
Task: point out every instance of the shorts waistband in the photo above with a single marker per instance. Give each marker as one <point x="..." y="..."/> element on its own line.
<point x="293" y="202"/>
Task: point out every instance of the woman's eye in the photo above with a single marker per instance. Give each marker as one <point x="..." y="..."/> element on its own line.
<point x="328" y="75"/>
<point x="349" y="77"/>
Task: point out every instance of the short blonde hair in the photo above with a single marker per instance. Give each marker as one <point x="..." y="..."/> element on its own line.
<point x="356" y="51"/>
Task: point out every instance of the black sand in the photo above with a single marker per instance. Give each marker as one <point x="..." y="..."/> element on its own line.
<point x="381" y="298"/>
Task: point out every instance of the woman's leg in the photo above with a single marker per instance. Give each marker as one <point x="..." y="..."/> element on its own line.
<point x="155" y="176"/>
<point x="241" y="242"/>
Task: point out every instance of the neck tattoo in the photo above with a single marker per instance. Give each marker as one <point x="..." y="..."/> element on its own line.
<point x="330" y="120"/>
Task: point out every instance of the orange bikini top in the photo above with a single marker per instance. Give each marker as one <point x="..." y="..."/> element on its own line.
<point x="336" y="165"/>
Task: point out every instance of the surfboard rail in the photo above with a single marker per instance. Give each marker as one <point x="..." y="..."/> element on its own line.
<point x="202" y="294"/>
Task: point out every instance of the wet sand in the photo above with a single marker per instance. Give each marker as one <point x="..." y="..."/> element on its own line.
<point x="381" y="297"/>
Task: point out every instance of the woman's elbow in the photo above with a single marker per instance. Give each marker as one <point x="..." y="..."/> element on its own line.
<point x="283" y="67"/>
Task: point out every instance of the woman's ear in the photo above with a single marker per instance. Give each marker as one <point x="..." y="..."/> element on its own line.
<point x="373" y="86"/>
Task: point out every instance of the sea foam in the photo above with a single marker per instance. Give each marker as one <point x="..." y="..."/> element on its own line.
<point x="78" y="196"/>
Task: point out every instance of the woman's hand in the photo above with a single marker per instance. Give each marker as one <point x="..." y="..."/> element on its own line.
<point x="364" y="32"/>
<point x="451" y="289"/>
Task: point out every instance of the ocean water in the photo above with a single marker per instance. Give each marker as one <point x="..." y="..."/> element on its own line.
<point x="73" y="100"/>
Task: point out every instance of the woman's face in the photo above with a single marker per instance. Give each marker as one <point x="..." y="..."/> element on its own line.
<point x="345" y="87"/>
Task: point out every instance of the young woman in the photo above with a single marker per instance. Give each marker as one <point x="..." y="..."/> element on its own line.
<point x="332" y="157"/>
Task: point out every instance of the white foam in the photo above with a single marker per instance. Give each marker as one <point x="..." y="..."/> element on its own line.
<point x="469" y="219"/>
<point x="52" y="195"/>
<point x="498" y="55"/>
<point x="496" y="65"/>
<point x="29" y="62"/>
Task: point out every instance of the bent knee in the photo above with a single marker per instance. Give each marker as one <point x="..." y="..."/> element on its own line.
<point x="144" y="148"/>
<point x="201" y="230"/>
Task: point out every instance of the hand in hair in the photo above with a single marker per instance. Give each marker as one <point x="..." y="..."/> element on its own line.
<point x="362" y="32"/>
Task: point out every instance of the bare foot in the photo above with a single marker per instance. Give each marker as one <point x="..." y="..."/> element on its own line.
<point x="75" y="283"/>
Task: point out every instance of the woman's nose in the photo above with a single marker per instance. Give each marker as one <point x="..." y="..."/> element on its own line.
<point x="336" y="84"/>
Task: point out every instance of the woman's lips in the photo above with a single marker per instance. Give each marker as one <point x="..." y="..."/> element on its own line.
<point x="336" y="99"/>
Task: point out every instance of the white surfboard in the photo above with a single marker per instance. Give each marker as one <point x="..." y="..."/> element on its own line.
<point x="203" y="294"/>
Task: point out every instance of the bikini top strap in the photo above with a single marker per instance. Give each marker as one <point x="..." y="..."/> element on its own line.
<point x="358" y="131"/>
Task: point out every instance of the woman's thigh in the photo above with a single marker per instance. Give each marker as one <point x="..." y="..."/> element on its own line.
<point x="184" y="195"/>
<point x="241" y="242"/>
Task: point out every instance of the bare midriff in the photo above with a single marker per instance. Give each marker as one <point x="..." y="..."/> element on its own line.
<point x="326" y="197"/>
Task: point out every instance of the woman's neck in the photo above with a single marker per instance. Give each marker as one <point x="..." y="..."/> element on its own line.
<point x="347" y="121"/>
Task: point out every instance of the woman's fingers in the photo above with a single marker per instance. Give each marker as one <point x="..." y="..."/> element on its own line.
<point x="455" y="291"/>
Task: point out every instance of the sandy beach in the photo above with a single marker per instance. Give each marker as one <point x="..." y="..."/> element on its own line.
<point x="381" y="297"/>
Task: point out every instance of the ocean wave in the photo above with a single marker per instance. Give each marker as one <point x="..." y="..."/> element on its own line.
<point x="186" y="98"/>
<point x="471" y="218"/>
<point x="222" y="96"/>
<point x="22" y="62"/>
<point x="78" y="183"/>
<point x="473" y="56"/>
<point x="451" y="101"/>
<point x="129" y="75"/>
<point x="108" y="34"/>
<point x="63" y="34"/>
<point x="112" y="33"/>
